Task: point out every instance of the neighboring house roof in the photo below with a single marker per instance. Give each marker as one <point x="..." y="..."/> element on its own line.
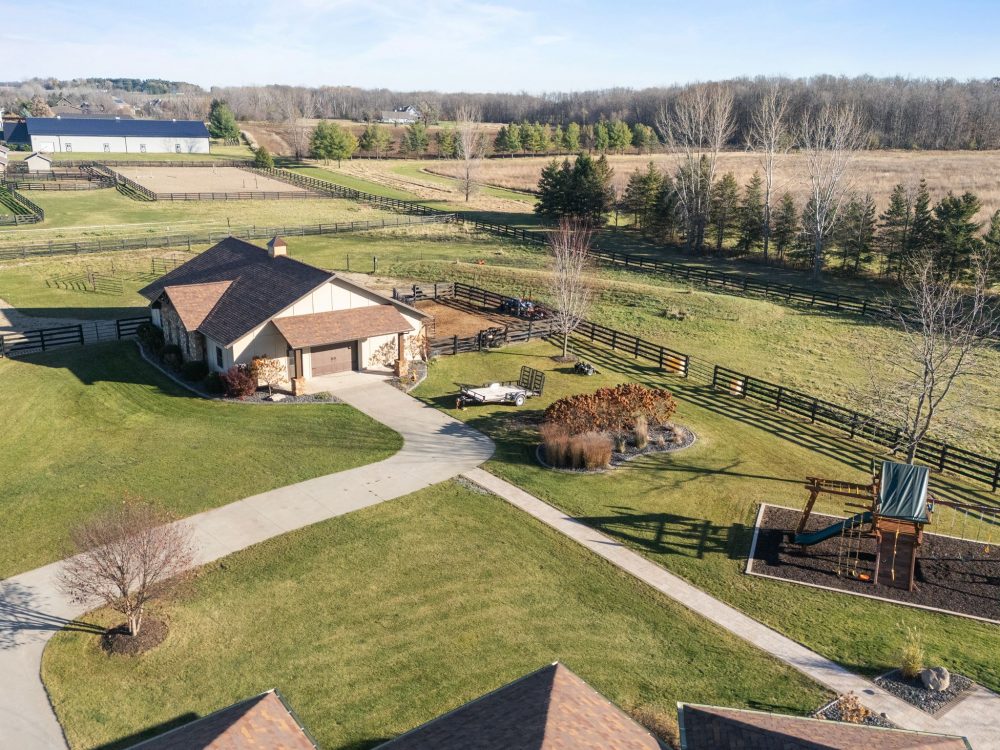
<point x="102" y="126"/>
<point x="15" y="131"/>
<point x="551" y="709"/>
<point x="193" y="302"/>
<point x="341" y="325"/>
<point x="261" y="723"/>
<point x="3" y="149"/>
<point x="396" y="116"/>
<point x="39" y="155"/>
<point x="713" y="728"/>
<point x="261" y="286"/>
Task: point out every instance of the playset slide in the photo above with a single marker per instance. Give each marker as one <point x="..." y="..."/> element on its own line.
<point x="815" y="537"/>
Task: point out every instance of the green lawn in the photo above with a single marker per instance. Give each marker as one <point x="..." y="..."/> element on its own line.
<point x="85" y="427"/>
<point x="330" y="174"/>
<point x="377" y="621"/>
<point x="693" y="511"/>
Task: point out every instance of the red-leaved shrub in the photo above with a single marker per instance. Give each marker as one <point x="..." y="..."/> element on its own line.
<point x="612" y="410"/>
<point x="238" y="382"/>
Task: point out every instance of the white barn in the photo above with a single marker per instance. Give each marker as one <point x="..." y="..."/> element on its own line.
<point x="116" y="136"/>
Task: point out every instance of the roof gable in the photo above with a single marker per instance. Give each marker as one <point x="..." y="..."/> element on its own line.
<point x="550" y="709"/>
<point x="338" y="326"/>
<point x="193" y="302"/>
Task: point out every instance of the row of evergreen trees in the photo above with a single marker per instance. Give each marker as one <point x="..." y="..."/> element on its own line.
<point x="614" y="136"/>
<point x="862" y="238"/>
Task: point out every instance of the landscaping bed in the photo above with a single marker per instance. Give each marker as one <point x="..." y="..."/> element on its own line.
<point x="928" y="701"/>
<point x="848" y="709"/>
<point x="675" y="438"/>
<point x="952" y="575"/>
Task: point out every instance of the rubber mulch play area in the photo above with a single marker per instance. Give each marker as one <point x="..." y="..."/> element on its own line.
<point x="955" y="575"/>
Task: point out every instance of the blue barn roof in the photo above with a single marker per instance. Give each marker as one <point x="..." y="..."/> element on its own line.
<point x="97" y="126"/>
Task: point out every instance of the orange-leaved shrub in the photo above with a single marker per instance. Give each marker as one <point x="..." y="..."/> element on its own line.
<point x="613" y="409"/>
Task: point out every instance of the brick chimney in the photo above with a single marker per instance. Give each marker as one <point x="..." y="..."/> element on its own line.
<point x="276" y="247"/>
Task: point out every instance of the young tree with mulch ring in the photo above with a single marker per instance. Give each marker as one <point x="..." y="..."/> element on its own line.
<point x="126" y="557"/>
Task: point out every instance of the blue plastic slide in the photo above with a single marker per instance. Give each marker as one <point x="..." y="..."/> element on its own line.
<point x="815" y="537"/>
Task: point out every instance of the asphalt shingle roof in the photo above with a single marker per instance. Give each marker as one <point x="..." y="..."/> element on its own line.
<point x="261" y="286"/>
<point x="341" y="325"/>
<point x="102" y="126"/>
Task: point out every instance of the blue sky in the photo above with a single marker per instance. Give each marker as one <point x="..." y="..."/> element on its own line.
<point x="494" y="45"/>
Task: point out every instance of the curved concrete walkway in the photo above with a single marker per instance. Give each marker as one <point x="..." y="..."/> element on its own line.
<point x="436" y="447"/>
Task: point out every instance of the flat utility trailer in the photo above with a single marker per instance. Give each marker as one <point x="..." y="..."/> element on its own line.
<point x="529" y="384"/>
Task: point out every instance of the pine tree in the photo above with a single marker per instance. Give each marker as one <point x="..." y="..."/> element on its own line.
<point x="222" y="121"/>
<point x="262" y="158"/>
<point x="416" y="139"/>
<point x="619" y="136"/>
<point x="447" y="144"/>
<point x="856" y="233"/>
<point x="602" y="140"/>
<point x="922" y="235"/>
<point x="582" y="190"/>
<point x="895" y="225"/>
<point x="786" y="226"/>
<point x="553" y="190"/>
<point x="557" y="137"/>
<point x="666" y="215"/>
<point x="724" y="207"/>
<point x="991" y="243"/>
<point x="571" y="137"/>
<point x="375" y="139"/>
<point x="752" y="214"/>
<point x="643" y="138"/>
<point x="957" y="233"/>
<point x="642" y="193"/>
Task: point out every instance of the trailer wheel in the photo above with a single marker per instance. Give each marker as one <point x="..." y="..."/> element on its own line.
<point x="519" y="399"/>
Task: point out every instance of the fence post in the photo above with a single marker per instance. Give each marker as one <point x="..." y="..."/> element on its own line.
<point x="614" y="340"/>
<point x="3" y="353"/>
<point x="812" y="411"/>
<point x="777" y="403"/>
<point x="454" y="344"/>
<point x="864" y="308"/>
<point x="715" y="376"/>
<point x="661" y="358"/>
<point x="996" y="472"/>
<point x="943" y="458"/>
<point x="686" y="364"/>
<point x="854" y="423"/>
<point x="530" y="325"/>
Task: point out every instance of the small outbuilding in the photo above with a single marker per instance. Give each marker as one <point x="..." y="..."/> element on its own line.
<point x="38" y="162"/>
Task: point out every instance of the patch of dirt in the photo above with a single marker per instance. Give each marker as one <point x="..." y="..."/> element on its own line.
<point x="951" y="574"/>
<point x="450" y="320"/>
<point x="117" y="640"/>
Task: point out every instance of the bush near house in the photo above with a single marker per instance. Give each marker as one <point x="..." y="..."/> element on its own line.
<point x="238" y="382"/>
<point x="151" y="337"/>
<point x="172" y="356"/>
<point x="194" y="371"/>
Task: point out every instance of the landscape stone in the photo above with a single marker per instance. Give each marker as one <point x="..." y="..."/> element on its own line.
<point x="936" y="679"/>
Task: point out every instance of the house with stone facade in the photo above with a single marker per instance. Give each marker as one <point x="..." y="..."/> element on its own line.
<point x="237" y="301"/>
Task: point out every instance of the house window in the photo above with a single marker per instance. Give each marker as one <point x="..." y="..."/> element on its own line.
<point x="177" y="148"/>
<point x="69" y="147"/>
<point x="218" y="357"/>
<point x="107" y="148"/>
<point x="142" y="148"/>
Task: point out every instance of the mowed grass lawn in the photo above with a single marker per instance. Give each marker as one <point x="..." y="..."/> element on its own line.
<point x="693" y="511"/>
<point x="374" y="622"/>
<point x="85" y="428"/>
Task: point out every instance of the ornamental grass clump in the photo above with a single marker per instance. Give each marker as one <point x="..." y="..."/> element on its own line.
<point x="591" y="450"/>
<point x="911" y="655"/>
<point x="640" y="432"/>
<point x="555" y="440"/>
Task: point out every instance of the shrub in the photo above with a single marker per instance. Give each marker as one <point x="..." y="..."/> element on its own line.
<point x="641" y="432"/>
<point x="238" y="382"/>
<point x="194" y="371"/>
<point x="851" y="709"/>
<point x="612" y="410"/>
<point x="213" y="383"/>
<point x="591" y="450"/>
<point x="151" y="337"/>
<point x="911" y="655"/>
<point x="172" y="356"/>
<point x="555" y="440"/>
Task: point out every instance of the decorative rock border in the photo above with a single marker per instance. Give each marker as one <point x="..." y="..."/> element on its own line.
<point x="833" y="711"/>
<point x="928" y="701"/>
<point x="619" y="459"/>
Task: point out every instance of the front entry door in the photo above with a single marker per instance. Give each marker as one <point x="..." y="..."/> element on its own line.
<point x="334" y="358"/>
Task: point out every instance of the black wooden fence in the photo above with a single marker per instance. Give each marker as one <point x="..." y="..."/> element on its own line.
<point x="26" y="211"/>
<point x="45" y="339"/>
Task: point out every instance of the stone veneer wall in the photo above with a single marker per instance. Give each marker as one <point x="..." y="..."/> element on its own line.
<point x="192" y="343"/>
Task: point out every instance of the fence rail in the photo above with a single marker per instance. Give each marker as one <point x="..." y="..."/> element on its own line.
<point x="26" y="211"/>
<point x="46" y="339"/>
<point x="248" y="195"/>
<point x="188" y="240"/>
<point x="21" y="166"/>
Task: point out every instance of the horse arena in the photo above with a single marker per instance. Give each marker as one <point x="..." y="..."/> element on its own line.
<point x="162" y="180"/>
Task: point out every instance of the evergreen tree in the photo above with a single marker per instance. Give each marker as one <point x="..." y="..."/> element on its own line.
<point x="922" y="234"/>
<point x="262" y="158"/>
<point x="895" y="225"/>
<point x="571" y="137"/>
<point x="415" y="139"/>
<point x="375" y="139"/>
<point x="752" y="214"/>
<point x="222" y="121"/>
<point x="587" y="137"/>
<point x="330" y="141"/>
<point x="643" y="138"/>
<point x="666" y="216"/>
<point x="724" y="207"/>
<point x="991" y="243"/>
<point x="957" y="232"/>
<point x="582" y="190"/>
<point x="557" y="138"/>
<point x="619" y="136"/>
<point x="602" y="140"/>
<point x="553" y="190"/>
<point x="447" y="143"/>
<point x="642" y="194"/>
<point x="786" y="226"/>
<point x="855" y="233"/>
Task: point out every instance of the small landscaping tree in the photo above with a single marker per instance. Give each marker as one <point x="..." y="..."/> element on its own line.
<point x="126" y="557"/>
<point x="262" y="158"/>
<point x="238" y="382"/>
<point x="272" y="372"/>
<point x="570" y="292"/>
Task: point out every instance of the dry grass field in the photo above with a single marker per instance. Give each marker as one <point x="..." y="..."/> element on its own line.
<point x="204" y="180"/>
<point x="874" y="171"/>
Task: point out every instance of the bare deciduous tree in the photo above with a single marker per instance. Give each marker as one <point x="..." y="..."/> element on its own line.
<point x="768" y="136"/>
<point x="126" y="557"/>
<point x="828" y="140"/>
<point x="695" y="128"/>
<point x="571" y="294"/>
<point x="471" y="145"/>
<point x="941" y="328"/>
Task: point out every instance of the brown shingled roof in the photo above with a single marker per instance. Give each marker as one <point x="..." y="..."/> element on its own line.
<point x="551" y="709"/>
<point x="713" y="728"/>
<point x="193" y="302"/>
<point x="260" y="723"/>
<point x="338" y="326"/>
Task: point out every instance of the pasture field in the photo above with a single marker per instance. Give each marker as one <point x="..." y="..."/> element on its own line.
<point x="876" y="172"/>
<point x="87" y="427"/>
<point x="374" y="622"/>
<point x="693" y="511"/>
<point x="205" y="180"/>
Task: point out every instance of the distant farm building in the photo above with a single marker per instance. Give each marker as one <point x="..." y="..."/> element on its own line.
<point x="105" y="135"/>
<point x="38" y="162"/>
<point x="401" y="116"/>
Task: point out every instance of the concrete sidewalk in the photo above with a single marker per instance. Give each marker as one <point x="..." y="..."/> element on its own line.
<point x="436" y="448"/>
<point x="977" y="717"/>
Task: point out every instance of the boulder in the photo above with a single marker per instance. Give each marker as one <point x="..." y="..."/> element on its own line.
<point x="935" y="679"/>
<point x="277" y="397"/>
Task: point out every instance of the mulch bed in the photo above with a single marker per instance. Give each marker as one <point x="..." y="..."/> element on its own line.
<point x="914" y="692"/>
<point x="951" y="574"/>
<point x="117" y="640"/>
<point x="407" y="384"/>
<point x="261" y="397"/>
<point x="833" y="711"/>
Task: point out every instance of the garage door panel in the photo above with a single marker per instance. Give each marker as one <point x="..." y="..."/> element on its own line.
<point x="335" y="358"/>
